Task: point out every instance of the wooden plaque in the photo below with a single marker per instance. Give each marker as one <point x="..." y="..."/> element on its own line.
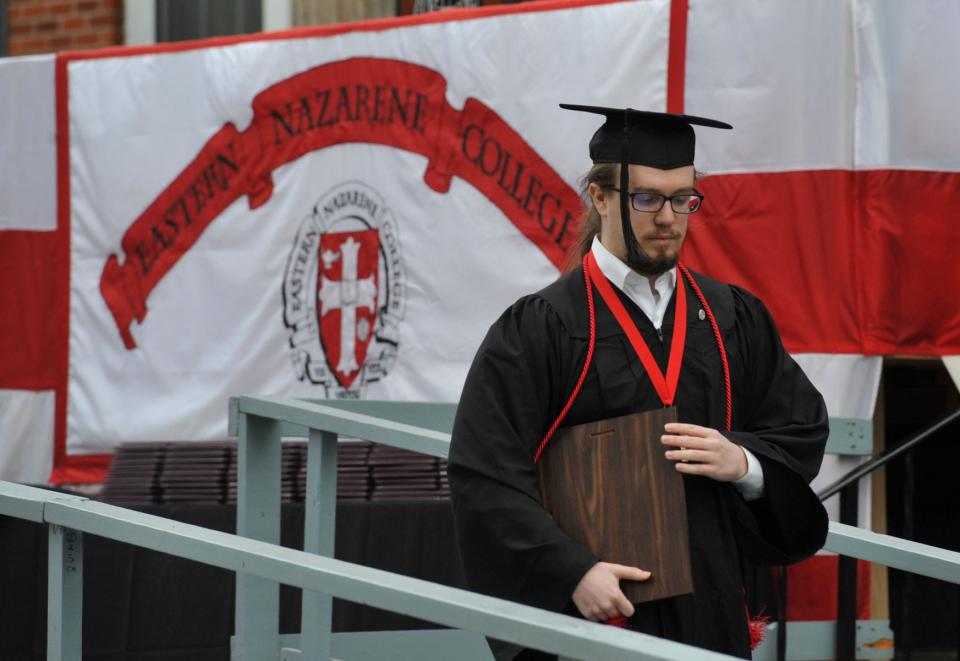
<point x="608" y="485"/>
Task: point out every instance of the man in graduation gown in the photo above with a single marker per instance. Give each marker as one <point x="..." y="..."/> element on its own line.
<point x="747" y="451"/>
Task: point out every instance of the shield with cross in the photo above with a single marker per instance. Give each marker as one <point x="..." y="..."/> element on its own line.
<point x="347" y="286"/>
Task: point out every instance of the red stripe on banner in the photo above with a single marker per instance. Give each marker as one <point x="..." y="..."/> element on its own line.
<point x="81" y="469"/>
<point x="812" y="589"/>
<point x="66" y="469"/>
<point x="907" y="226"/>
<point x="32" y="274"/>
<point x="677" y="56"/>
<point x="63" y="297"/>
<point x="848" y="262"/>
<point x="88" y="469"/>
<point x="772" y="234"/>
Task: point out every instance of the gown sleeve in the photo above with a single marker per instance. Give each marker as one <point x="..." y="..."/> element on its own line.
<point x="510" y="546"/>
<point x="783" y="421"/>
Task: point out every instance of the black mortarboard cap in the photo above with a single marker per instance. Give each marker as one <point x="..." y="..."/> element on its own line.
<point x="657" y="139"/>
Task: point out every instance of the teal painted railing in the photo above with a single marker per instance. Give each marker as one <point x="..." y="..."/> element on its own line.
<point x="261" y="564"/>
<point x="69" y="517"/>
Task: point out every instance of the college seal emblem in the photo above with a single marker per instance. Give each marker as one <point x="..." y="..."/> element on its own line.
<point x="343" y="291"/>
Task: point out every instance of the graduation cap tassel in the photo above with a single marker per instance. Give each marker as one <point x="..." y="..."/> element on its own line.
<point x="628" y="237"/>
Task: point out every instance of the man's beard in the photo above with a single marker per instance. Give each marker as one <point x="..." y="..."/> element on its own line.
<point x="643" y="264"/>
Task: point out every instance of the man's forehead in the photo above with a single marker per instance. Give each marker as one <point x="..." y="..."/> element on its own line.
<point x="644" y="177"/>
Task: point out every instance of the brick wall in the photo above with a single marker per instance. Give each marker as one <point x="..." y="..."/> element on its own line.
<point x="46" y="26"/>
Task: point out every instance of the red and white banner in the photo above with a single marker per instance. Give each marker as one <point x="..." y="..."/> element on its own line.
<point x="33" y="270"/>
<point x="342" y="211"/>
<point x="318" y="216"/>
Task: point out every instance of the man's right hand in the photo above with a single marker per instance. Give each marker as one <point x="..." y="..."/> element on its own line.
<point x="598" y="596"/>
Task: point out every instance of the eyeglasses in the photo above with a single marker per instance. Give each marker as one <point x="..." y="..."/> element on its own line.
<point x="653" y="202"/>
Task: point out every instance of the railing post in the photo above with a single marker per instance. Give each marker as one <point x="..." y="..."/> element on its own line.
<point x="782" y="614"/>
<point x="64" y="594"/>
<point x="847" y="582"/>
<point x="320" y="513"/>
<point x="904" y="632"/>
<point x="257" y="619"/>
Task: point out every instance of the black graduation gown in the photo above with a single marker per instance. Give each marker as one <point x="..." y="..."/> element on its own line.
<point x="521" y="377"/>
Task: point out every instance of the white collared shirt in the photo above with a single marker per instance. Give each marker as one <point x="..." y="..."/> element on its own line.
<point x="653" y="300"/>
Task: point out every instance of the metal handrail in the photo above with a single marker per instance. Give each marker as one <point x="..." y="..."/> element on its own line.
<point x="846" y="487"/>
<point x="894" y="552"/>
<point x="306" y="416"/>
<point x="441" y="604"/>
<point x="447" y="606"/>
<point x="882" y="459"/>
<point x="259" y="420"/>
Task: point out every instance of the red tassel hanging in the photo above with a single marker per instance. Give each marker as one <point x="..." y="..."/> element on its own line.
<point x="757" y="626"/>
<point x="618" y="621"/>
<point x="758" y="629"/>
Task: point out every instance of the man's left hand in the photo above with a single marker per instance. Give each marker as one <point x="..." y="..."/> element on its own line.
<point x="704" y="451"/>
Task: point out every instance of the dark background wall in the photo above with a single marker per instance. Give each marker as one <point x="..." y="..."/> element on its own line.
<point x="923" y="500"/>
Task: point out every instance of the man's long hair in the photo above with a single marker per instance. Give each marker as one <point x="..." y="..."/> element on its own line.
<point x="605" y="176"/>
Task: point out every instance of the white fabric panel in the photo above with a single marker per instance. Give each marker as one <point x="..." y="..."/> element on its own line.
<point x="26" y="435"/>
<point x="849" y="383"/>
<point x="952" y="363"/>
<point x="215" y="322"/>
<point x="782" y="73"/>
<point x="28" y="182"/>
<point x="909" y="84"/>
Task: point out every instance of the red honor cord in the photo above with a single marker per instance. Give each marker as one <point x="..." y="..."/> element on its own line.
<point x="673" y="364"/>
<point x="666" y="387"/>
